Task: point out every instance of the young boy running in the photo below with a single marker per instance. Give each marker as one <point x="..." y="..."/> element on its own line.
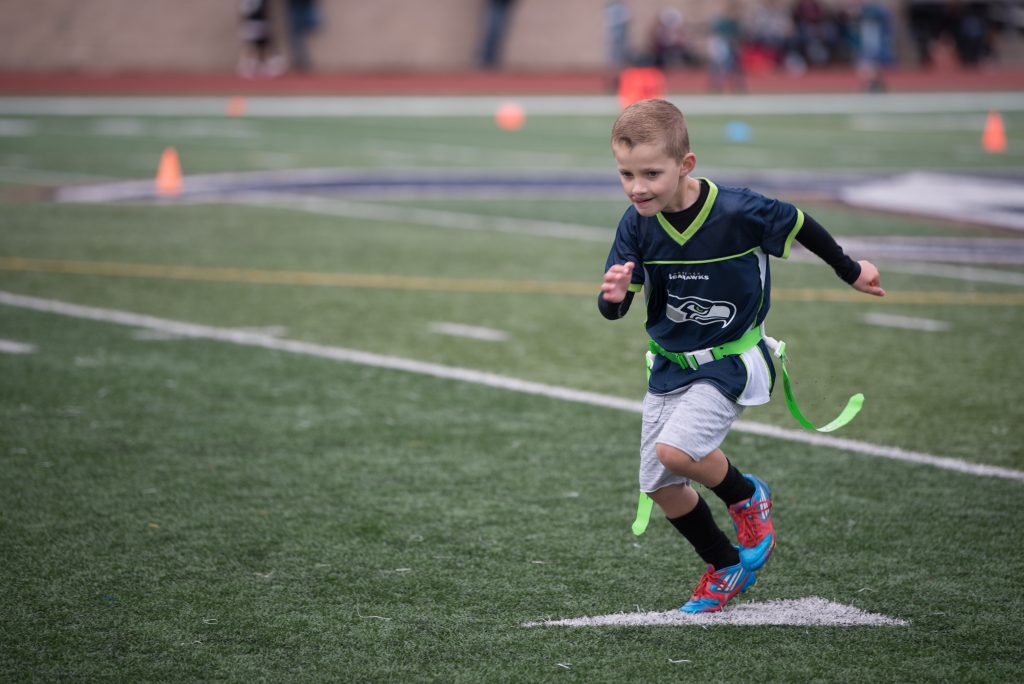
<point x="700" y="254"/>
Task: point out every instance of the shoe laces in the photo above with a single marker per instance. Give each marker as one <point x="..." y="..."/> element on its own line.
<point x="749" y="519"/>
<point x="711" y="580"/>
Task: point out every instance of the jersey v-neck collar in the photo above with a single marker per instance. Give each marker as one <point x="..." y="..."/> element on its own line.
<point x="704" y="202"/>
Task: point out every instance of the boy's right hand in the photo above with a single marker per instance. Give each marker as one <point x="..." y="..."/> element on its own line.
<point x="869" y="280"/>
<point x="616" y="282"/>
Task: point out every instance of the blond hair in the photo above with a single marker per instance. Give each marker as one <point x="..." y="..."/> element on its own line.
<point x="653" y="121"/>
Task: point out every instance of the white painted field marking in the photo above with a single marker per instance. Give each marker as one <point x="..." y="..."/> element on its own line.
<point x="12" y="347"/>
<point x="17" y="128"/>
<point x="995" y="201"/>
<point x="504" y="382"/>
<point x="432" y="106"/>
<point x="473" y="332"/>
<point x="425" y="217"/>
<point x="809" y="612"/>
<point x="906" y="322"/>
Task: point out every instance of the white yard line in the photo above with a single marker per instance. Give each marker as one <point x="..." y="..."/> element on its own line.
<point x="12" y="347"/>
<point x="906" y="322"/>
<point x="473" y="332"/>
<point x="253" y="339"/>
<point x="810" y="612"/>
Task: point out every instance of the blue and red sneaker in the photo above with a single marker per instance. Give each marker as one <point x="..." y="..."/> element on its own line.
<point x="718" y="586"/>
<point x="752" y="519"/>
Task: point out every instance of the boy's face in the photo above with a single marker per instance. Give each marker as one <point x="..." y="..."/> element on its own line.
<point x="652" y="179"/>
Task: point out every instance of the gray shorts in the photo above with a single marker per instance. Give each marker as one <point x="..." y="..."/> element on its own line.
<point x="695" y="420"/>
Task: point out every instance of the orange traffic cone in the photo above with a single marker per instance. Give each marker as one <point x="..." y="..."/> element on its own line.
<point x="168" y="174"/>
<point x="640" y="83"/>
<point x="236" y="106"/>
<point x="993" y="139"/>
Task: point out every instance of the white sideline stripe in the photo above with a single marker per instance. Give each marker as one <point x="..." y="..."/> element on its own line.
<point x="906" y="322"/>
<point x="473" y="332"/>
<point x="252" y="339"/>
<point x="431" y="106"/>
<point x="812" y="611"/>
<point x="12" y="347"/>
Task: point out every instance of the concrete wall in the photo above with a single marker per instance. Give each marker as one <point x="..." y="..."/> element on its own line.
<point x="202" y="35"/>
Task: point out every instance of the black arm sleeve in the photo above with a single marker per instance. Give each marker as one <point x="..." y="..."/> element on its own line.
<point x="614" y="310"/>
<point x="818" y="240"/>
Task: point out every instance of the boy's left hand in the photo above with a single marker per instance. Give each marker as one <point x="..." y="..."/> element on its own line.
<point x="869" y="280"/>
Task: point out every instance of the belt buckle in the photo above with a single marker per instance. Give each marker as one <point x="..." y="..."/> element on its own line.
<point x="699" y="358"/>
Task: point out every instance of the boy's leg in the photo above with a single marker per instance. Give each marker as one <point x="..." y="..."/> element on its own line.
<point x="748" y="498"/>
<point x="690" y="515"/>
<point x="714" y="471"/>
<point x="726" y="575"/>
<point x="699" y="418"/>
<point x="689" y="447"/>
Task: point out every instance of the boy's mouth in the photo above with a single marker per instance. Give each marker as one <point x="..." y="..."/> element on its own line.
<point x="640" y="201"/>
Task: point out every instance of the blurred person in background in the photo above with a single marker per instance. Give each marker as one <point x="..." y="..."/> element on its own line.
<point x="872" y="42"/>
<point x="496" y="22"/>
<point x="815" y="34"/>
<point x="773" y="38"/>
<point x="617" y="18"/>
<point x="967" y="28"/>
<point x="949" y="32"/>
<point x="256" y="31"/>
<point x="303" y="19"/>
<point x="725" y="67"/>
<point x="670" y="45"/>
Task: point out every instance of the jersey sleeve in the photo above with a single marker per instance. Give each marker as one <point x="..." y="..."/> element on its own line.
<point x="626" y="248"/>
<point x="780" y="223"/>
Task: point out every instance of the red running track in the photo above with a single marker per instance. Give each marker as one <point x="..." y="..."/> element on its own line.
<point x="487" y="83"/>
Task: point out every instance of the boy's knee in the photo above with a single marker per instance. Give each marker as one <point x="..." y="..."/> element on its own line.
<point x="676" y="460"/>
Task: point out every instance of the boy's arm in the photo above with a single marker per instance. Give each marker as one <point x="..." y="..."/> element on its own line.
<point x="615" y="296"/>
<point x="862" y="275"/>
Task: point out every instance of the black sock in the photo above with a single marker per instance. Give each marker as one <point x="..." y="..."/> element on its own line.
<point x="710" y="543"/>
<point x="734" y="488"/>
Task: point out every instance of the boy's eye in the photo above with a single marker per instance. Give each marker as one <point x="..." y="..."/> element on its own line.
<point x="653" y="174"/>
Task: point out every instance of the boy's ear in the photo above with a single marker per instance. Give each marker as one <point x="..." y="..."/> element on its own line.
<point x="689" y="162"/>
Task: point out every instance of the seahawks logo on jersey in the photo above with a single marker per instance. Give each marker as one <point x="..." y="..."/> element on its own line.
<point x="701" y="311"/>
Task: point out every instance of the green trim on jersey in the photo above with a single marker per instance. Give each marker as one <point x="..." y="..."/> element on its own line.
<point x="636" y="287"/>
<point x="792" y="233"/>
<point x="707" y="261"/>
<point x="683" y="238"/>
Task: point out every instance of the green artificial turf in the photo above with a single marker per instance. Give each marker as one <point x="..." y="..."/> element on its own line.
<point x="186" y="509"/>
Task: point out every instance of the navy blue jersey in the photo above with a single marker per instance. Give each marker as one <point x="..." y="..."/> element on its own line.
<point x="708" y="283"/>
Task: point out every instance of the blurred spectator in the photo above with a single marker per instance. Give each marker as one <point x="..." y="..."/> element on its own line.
<point x="724" y="44"/>
<point x="925" y="22"/>
<point x="669" y="43"/>
<point x="967" y="28"/>
<point x="874" y="46"/>
<point x="947" y="30"/>
<point x="617" y="18"/>
<point x="258" y="57"/>
<point x="303" y="19"/>
<point x="772" y="37"/>
<point x="815" y="32"/>
<point x="496" y="20"/>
